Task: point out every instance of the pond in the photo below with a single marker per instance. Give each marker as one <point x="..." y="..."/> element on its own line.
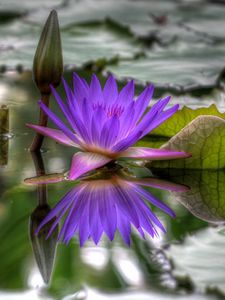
<point x="179" y="46"/>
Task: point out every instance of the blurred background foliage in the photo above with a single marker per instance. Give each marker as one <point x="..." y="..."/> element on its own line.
<point x="178" y="45"/>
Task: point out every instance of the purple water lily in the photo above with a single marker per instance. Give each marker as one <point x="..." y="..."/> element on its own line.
<point x="104" y="124"/>
<point x="94" y="207"/>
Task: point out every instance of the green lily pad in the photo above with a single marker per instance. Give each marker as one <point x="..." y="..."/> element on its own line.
<point x="138" y="18"/>
<point x="186" y="54"/>
<point x="184" y="116"/>
<point x="204" y="138"/>
<point x="208" y="19"/>
<point x="81" y="44"/>
<point x="175" y="67"/>
<point x="148" y="16"/>
<point x="94" y="41"/>
<point x="27" y="5"/>
<point x="200" y="258"/>
<point x="92" y="294"/>
<point x="89" y="35"/>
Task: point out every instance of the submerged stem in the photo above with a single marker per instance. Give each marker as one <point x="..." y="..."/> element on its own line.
<point x="43" y="120"/>
<point x="40" y="170"/>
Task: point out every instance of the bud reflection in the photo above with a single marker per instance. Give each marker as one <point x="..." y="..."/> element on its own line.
<point x="107" y="203"/>
<point x="43" y="250"/>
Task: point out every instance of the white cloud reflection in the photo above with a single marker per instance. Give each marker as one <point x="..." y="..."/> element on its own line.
<point x="95" y="257"/>
<point x="127" y="266"/>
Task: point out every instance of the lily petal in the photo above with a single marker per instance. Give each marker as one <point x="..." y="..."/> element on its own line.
<point x="80" y="88"/>
<point x="126" y="95"/>
<point x="142" y="101"/>
<point x="149" y="197"/>
<point x="123" y="227"/>
<point x="161" y="184"/>
<point x="55" y="134"/>
<point x="56" y="120"/>
<point x="153" y="154"/>
<point x="95" y="91"/>
<point x="110" y="91"/>
<point x="83" y="162"/>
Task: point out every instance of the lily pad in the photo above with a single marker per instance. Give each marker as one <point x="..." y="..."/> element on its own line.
<point x="183" y="53"/>
<point x="147" y="17"/>
<point x="183" y="69"/>
<point x="27" y="5"/>
<point x="81" y="44"/>
<point x="89" y="35"/>
<point x="198" y="255"/>
<point x="93" y="294"/>
<point x="184" y="116"/>
<point x="204" y="138"/>
<point x="138" y="18"/>
<point x="94" y="41"/>
<point x="208" y="19"/>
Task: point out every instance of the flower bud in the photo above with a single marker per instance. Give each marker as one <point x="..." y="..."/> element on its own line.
<point x="48" y="61"/>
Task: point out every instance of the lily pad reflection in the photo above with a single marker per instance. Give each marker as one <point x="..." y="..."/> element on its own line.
<point x="205" y="199"/>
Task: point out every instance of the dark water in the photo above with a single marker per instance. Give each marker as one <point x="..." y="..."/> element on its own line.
<point x="188" y="262"/>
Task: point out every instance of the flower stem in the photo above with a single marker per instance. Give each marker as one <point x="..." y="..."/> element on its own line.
<point x="43" y="120"/>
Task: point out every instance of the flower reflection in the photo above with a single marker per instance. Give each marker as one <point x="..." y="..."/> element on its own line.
<point x="109" y="203"/>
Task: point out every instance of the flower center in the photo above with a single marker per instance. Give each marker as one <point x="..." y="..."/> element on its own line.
<point x="110" y="110"/>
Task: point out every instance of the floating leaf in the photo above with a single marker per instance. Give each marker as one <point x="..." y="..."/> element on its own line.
<point x="175" y="31"/>
<point x="184" y="116"/>
<point x="204" y="138"/>
<point x="169" y="19"/>
<point x="45" y="179"/>
<point x="81" y="43"/>
<point x="138" y="18"/>
<point x="175" y="67"/>
<point x="11" y="6"/>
